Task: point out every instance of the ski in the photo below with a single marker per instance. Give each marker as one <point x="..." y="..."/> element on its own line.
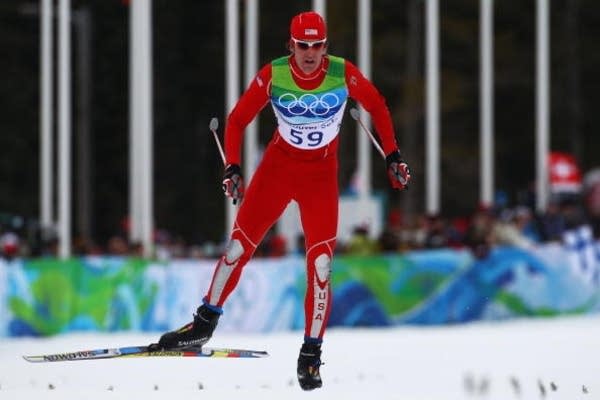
<point x="144" y="351"/>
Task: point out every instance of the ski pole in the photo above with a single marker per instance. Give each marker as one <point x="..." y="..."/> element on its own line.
<point x="356" y="115"/>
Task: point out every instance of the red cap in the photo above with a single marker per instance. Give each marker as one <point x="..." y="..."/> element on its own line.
<point x="308" y="26"/>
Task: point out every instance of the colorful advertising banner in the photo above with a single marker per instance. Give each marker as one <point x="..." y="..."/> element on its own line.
<point x="46" y="297"/>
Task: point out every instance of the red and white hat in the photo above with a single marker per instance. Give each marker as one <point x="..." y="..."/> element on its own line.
<point x="308" y="26"/>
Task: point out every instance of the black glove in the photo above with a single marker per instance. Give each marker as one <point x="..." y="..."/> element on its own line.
<point x="233" y="183"/>
<point x="397" y="169"/>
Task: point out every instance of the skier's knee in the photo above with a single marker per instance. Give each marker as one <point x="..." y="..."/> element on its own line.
<point x="234" y="251"/>
<point x="323" y="267"/>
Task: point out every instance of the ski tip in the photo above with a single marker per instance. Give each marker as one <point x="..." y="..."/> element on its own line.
<point x="260" y="353"/>
<point x="229" y="352"/>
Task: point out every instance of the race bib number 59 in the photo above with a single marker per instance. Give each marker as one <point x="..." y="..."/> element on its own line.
<point x="302" y="139"/>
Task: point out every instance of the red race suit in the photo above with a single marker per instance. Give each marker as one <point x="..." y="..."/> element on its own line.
<point x="286" y="173"/>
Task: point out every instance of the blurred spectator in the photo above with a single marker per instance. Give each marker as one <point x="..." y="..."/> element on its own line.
<point x="360" y="244"/>
<point x="390" y="238"/>
<point x="136" y="249"/>
<point x="457" y="232"/>
<point x="571" y="207"/>
<point x="83" y="246"/>
<point x="526" y="224"/>
<point x="117" y="246"/>
<point x="277" y="244"/>
<point x="507" y="232"/>
<point x="10" y="245"/>
<point x="414" y="234"/>
<point x="178" y="247"/>
<point x="480" y="234"/>
<point x="551" y="224"/>
<point x="273" y="244"/>
<point x="195" y="252"/>
<point x="168" y="246"/>
<point x="436" y="235"/>
<point x="389" y="242"/>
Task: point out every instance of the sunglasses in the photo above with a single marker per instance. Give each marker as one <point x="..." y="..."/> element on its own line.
<point x="303" y="45"/>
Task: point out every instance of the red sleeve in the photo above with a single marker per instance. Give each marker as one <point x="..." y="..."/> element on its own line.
<point x="363" y="91"/>
<point x="248" y="106"/>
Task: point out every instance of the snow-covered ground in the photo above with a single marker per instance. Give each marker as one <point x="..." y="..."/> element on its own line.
<point x="526" y="359"/>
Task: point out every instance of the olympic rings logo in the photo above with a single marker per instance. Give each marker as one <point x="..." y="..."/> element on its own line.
<point x="308" y="102"/>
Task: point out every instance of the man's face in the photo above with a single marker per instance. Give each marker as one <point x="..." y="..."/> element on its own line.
<point x="309" y="54"/>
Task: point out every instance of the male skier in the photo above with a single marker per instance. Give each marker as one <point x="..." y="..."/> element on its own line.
<point x="307" y="90"/>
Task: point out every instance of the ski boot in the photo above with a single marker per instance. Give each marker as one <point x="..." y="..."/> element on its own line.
<point x="309" y="362"/>
<point x="194" y="334"/>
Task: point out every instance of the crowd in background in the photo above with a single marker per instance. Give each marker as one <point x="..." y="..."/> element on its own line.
<point x="486" y="227"/>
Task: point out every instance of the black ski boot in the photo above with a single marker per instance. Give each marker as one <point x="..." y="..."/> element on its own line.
<point x="194" y="334"/>
<point x="309" y="362"/>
